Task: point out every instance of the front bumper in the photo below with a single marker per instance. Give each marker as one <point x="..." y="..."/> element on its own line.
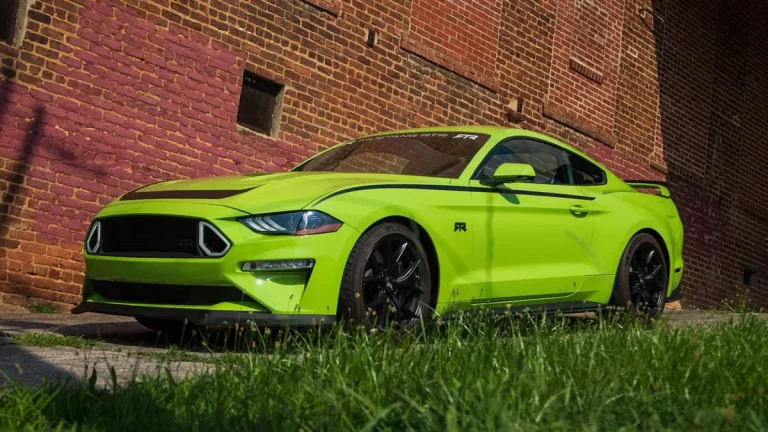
<point x="200" y="317"/>
<point x="296" y="296"/>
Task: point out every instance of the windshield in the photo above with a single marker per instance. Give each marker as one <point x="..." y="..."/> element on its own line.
<point x="433" y="154"/>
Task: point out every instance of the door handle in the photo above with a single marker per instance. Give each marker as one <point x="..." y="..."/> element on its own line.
<point x="579" y="210"/>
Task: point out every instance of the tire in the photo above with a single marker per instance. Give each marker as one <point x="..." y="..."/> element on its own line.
<point x="642" y="277"/>
<point x="375" y="292"/>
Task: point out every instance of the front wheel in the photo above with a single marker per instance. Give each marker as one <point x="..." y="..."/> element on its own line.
<point x="387" y="279"/>
<point x="642" y="277"/>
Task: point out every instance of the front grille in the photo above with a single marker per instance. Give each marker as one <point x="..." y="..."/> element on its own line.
<point x="190" y="295"/>
<point x="156" y="237"/>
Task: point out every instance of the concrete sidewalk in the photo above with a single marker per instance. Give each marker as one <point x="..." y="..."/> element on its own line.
<point x="33" y="366"/>
<point x="121" y="343"/>
<point x="90" y="326"/>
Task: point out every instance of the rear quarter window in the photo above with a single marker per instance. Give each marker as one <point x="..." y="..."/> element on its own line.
<point x="585" y="172"/>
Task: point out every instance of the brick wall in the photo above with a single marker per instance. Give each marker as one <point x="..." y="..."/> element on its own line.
<point x="101" y="96"/>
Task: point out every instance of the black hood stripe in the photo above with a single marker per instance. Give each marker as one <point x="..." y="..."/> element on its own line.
<point x="183" y="194"/>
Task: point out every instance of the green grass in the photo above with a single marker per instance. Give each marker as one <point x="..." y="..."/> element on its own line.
<point x="517" y="375"/>
<point x="175" y="354"/>
<point x="42" y="308"/>
<point x="51" y="340"/>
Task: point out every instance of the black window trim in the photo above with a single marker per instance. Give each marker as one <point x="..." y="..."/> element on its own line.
<point x="476" y="174"/>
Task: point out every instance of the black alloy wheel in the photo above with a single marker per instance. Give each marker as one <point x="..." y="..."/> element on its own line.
<point x="647" y="281"/>
<point x="387" y="279"/>
<point x="642" y="277"/>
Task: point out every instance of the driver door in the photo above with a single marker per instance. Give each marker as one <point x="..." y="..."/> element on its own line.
<point x="533" y="238"/>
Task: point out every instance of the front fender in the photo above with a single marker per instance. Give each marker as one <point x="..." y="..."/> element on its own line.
<point x="436" y="212"/>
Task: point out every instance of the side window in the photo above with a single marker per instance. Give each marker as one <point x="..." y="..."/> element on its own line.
<point x="552" y="164"/>
<point x="585" y="172"/>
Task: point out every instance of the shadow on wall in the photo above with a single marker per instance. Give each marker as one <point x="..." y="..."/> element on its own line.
<point x="18" y="171"/>
<point x="16" y="362"/>
<point x="32" y="143"/>
<point x="712" y="89"/>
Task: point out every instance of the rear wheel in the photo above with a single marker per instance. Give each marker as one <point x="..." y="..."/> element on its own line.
<point x="387" y="279"/>
<point x="642" y="277"/>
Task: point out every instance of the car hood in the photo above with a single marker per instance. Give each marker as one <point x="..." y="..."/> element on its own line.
<point x="264" y="193"/>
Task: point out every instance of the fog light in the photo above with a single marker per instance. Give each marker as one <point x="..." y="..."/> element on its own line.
<point x="278" y="265"/>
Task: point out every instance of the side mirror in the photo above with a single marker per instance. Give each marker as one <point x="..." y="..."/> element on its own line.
<point x="510" y="173"/>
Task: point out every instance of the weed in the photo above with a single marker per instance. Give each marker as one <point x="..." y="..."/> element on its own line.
<point x="51" y="340"/>
<point x="42" y="308"/>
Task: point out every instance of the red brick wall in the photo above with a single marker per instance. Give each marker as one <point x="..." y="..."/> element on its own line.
<point x="104" y="95"/>
<point x="584" y="74"/>
<point x="713" y="88"/>
<point x="460" y="35"/>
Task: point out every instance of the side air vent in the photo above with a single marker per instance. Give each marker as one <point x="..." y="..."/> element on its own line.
<point x="93" y="242"/>
<point x="211" y="242"/>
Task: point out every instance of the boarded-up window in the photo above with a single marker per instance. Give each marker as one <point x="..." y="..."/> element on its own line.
<point x="259" y="104"/>
<point x="9" y="11"/>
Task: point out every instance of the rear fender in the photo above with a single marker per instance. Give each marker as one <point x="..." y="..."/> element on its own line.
<point x="631" y="213"/>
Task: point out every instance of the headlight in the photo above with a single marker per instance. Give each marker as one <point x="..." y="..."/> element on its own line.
<point x="295" y="223"/>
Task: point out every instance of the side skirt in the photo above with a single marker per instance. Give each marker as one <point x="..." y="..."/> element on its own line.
<point x="548" y="308"/>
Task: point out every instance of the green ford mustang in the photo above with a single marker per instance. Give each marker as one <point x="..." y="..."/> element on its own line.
<point x="389" y="228"/>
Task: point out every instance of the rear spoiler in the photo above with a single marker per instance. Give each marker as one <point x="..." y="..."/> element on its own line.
<point x="661" y="186"/>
